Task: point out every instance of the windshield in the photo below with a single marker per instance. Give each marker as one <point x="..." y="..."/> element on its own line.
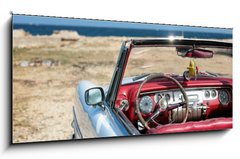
<point x="146" y="60"/>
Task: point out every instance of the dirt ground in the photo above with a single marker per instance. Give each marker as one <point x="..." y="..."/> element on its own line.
<point x="46" y="70"/>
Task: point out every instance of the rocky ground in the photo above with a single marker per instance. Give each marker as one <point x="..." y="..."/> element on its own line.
<point x="46" y="70"/>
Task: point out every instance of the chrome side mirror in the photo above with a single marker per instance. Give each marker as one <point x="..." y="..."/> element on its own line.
<point x="94" y="96"/>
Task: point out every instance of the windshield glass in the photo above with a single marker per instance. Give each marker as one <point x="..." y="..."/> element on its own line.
<point x="145" y="60"/>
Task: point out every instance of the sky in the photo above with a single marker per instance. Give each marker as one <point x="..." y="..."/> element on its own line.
<point x="44" y="20"/>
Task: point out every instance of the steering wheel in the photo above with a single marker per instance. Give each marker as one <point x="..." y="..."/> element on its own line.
<point x="159" y="110"/>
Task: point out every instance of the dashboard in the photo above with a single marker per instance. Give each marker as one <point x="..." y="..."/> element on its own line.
<point x="201" y="101"/>
<point x="195" y="96"/>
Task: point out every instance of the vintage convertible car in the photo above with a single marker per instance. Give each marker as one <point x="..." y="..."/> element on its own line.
<point x="152" y="102"/>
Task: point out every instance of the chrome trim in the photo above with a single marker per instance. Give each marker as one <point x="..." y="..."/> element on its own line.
<point x="149" y="106"/>
<point x="124" y="105"/>
<point x="118" y="74"/>
<point x="75" y="125"/>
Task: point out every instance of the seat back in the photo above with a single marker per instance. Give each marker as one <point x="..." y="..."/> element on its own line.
<point x="204" y="125"/>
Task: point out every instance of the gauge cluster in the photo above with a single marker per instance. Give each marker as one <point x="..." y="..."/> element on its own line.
<point x="173" y="97"/>
<point x="196" y="97"/>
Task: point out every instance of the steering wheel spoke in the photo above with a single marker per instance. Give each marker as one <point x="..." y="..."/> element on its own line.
<point x="154" y="115"/>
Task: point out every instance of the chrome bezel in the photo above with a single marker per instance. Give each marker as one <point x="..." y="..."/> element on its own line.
<point x="151" y="106"/>
<point x="156" y="99"/>
<point x="219" y="95"/>
<point x="167" y="97"/>
<point x="207" y="91"/>
<point x="215" y="94"/>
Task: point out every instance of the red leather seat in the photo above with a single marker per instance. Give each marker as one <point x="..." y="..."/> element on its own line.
<point x="204" y="125"/>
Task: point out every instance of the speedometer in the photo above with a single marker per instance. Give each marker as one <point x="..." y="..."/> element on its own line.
<point x="146" y="104"/>
<point x="224" y="97"/>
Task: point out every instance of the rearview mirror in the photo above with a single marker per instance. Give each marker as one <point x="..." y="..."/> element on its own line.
<point x="194" y="53"/>
<point x="94" y="96"/>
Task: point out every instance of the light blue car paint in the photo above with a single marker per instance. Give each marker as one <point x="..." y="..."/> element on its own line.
<point x="103" y="120"/>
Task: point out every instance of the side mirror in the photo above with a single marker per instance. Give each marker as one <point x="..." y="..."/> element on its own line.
<point x="94" y="96"/>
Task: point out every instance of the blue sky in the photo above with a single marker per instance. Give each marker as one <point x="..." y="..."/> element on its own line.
<point x="41" y="20"/>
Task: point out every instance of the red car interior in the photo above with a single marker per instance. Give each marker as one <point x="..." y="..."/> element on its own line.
<point x="204" y="125"/>
<point x="217" y="116"/>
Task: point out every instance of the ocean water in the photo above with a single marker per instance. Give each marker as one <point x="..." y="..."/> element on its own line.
<point x="107" y="31"/>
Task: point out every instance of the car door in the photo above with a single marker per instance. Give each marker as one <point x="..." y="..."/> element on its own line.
<point x="95" y="121"/>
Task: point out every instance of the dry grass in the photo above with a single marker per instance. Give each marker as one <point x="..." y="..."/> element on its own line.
<point x="43" y="96"/>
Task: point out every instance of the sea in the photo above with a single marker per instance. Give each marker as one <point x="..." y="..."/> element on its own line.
<point x="127" y="32"/>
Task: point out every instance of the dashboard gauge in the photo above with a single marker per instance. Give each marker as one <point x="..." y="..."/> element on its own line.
<point x="224" y="97"/>
<point x="213" y="93"/>
<point x="207" y="94"/>
<point x="158" y="97"/>
<point x="146" y="104"/>
<point x="167" y="96"/>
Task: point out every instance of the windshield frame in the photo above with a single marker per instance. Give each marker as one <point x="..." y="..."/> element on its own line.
<point x="128" y="45"/>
